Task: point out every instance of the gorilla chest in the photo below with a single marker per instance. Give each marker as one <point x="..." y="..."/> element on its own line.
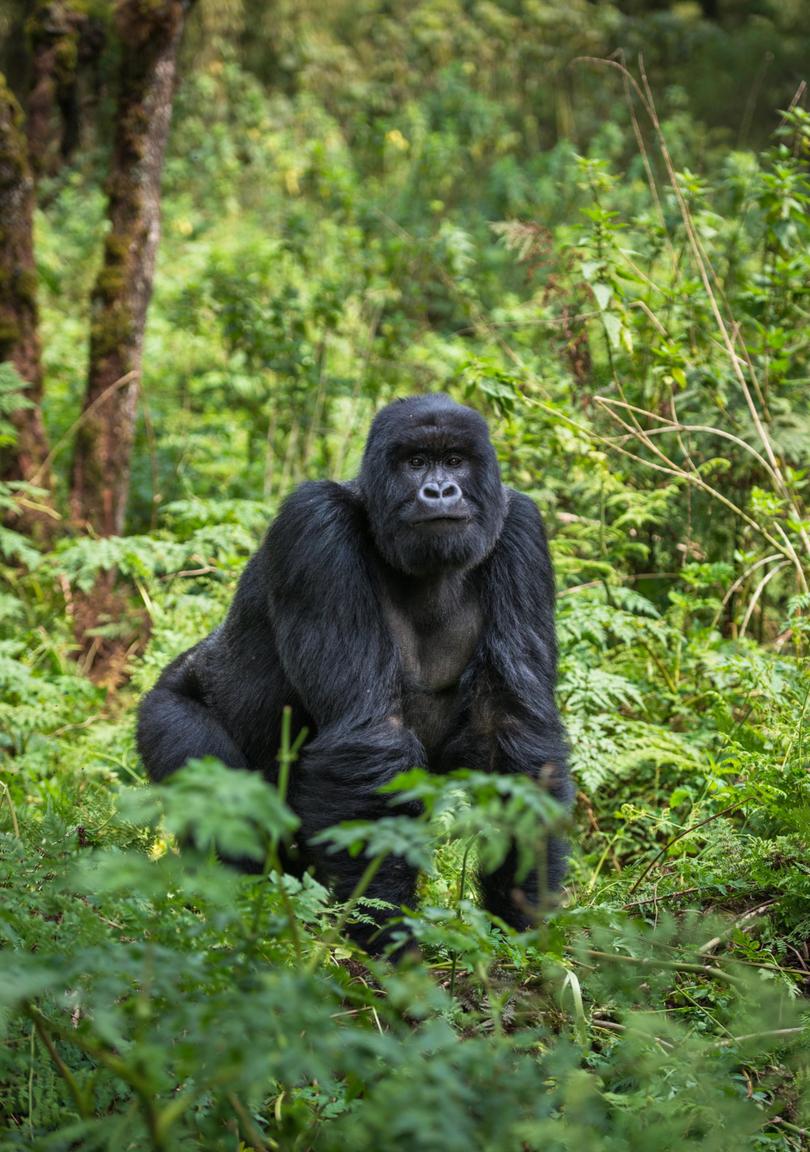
<point x="436" y="637"/>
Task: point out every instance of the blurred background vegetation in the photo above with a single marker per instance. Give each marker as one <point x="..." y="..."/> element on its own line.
<point x="588" y="220"/>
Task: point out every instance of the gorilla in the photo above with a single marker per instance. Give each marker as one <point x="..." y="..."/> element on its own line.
<point x="407" y="618"/>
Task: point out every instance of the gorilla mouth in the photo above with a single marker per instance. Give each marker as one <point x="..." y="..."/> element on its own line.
<point x="438" y="521"/>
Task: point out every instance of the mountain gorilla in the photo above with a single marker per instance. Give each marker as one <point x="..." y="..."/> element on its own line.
<point x="407" y="618"/>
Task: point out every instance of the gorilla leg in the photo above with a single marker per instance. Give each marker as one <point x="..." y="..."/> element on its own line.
<point x="511" y="902"/>
<point x="336" y="780"/>
<point x="519" y="903"/>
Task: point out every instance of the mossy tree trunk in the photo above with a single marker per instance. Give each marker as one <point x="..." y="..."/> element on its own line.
<point x="66" y="43"/>
<point x="19" y="333"/>
<point x="54" y="32"/>
<point x="150" y="32"/>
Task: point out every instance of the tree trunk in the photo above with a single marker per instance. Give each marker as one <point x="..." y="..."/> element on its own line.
<point x="54" y="31"/>
<point x="64" y="43"/>
<point x="19" y="334"/>
<point x="150" y="33"/>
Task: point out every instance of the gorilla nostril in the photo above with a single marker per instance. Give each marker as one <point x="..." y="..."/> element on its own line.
<point x="440" y="494"/>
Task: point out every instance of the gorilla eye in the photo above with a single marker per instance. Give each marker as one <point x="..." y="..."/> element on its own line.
<point x="416" y="461"/>
<point x="454" y="461"/>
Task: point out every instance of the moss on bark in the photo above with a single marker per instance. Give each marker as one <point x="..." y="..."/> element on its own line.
<point x="150" y="33"/>
<point x="19" y="334"/>
<point x="55" y="33"/>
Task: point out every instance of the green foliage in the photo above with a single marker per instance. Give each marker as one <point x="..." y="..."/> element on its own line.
<point x="363" y="200"/>
<point x="170" y="993"/>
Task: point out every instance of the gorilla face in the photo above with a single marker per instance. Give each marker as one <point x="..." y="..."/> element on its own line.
<point x="431" y="484"/>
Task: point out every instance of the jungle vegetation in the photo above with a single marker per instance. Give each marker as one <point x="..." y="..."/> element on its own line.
<point x="230" y="232"/>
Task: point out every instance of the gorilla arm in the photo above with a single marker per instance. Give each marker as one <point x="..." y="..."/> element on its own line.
<point x="514" y="713"/>
<point x="336" y="651"/>
<point x="520" y="646"/>
<point x="175" y="724"/>
<point x="329" y="631"/>
<point x="223" y="697"/>
<point x="304" y="629"/>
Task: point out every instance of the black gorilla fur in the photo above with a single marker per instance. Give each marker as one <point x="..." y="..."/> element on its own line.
<point x="408" y="619"/>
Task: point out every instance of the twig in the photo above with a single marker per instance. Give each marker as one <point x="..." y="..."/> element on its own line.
<point x="699" y="482"/>
<point x="206" y="570"/>
<point x="684" y="832"/>
<point x="738" y="583"/>
<point x="760" y="1036"/>
<point x="75" y="1089"/>
<point x="662" y="896"/>
<point x="658" y="962"/>
<point x="712" y="288"/>
<point x="678" y="426"/>
<point x="257" y="1140"/>
<point x="4" y="791"/>
<point x="88" y="411"/>
<point x="614" y="1026"/>
<point x="758" y="592"/>
<point x="710" y="945"/>
<point x="671" y="468"/>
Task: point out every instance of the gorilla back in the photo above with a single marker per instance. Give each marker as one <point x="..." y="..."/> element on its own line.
<point x="408" y="619"/>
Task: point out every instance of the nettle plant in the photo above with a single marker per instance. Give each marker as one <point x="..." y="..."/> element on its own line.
<point x="651" y="397"/>
<point x="156" y="999"/>
<point x="680" y="312"/>
<point x="699" y="307"/>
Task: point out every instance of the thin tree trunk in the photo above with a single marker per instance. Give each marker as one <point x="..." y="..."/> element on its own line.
<point x="64" y="43"/>
<point x="19" y="334"/>
<point x="150" y="32"/>
<point x="54" y="31"/>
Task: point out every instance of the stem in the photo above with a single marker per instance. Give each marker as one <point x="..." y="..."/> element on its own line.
<point x="272" y="863"/>
<point x="292" y="919"/>
<point x="284" y="754"/>
<point x="360" y="888"/>
<point x="790" y="1127"/>
<point x="680" y="835"/>
<point x="259" y="1142"/>
<point x="75" y="1089"/>
<point x="775" y="1032"/>
<point x="172" y="1113"/>
<point x="461" y="886"/>
<point x="139" y="1084"/>
<point x="675" y="965"/>
<point x="68" y="437"/>
<point x="31" y="1057"/>
<point x="6" y="794"/>
<point x="288" y="753"/>
<point x="609" y="847"/>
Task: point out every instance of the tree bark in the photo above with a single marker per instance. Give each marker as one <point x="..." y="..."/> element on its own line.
<point x="19" y="332"/>
<point x="54" y="32"/>
<point x="150" y="32"/>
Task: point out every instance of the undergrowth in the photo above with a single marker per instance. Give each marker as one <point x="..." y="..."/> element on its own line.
<point x="635" y="331"/>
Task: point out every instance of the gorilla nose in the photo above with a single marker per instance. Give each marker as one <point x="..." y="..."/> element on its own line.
<point x="440" y="497"/>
